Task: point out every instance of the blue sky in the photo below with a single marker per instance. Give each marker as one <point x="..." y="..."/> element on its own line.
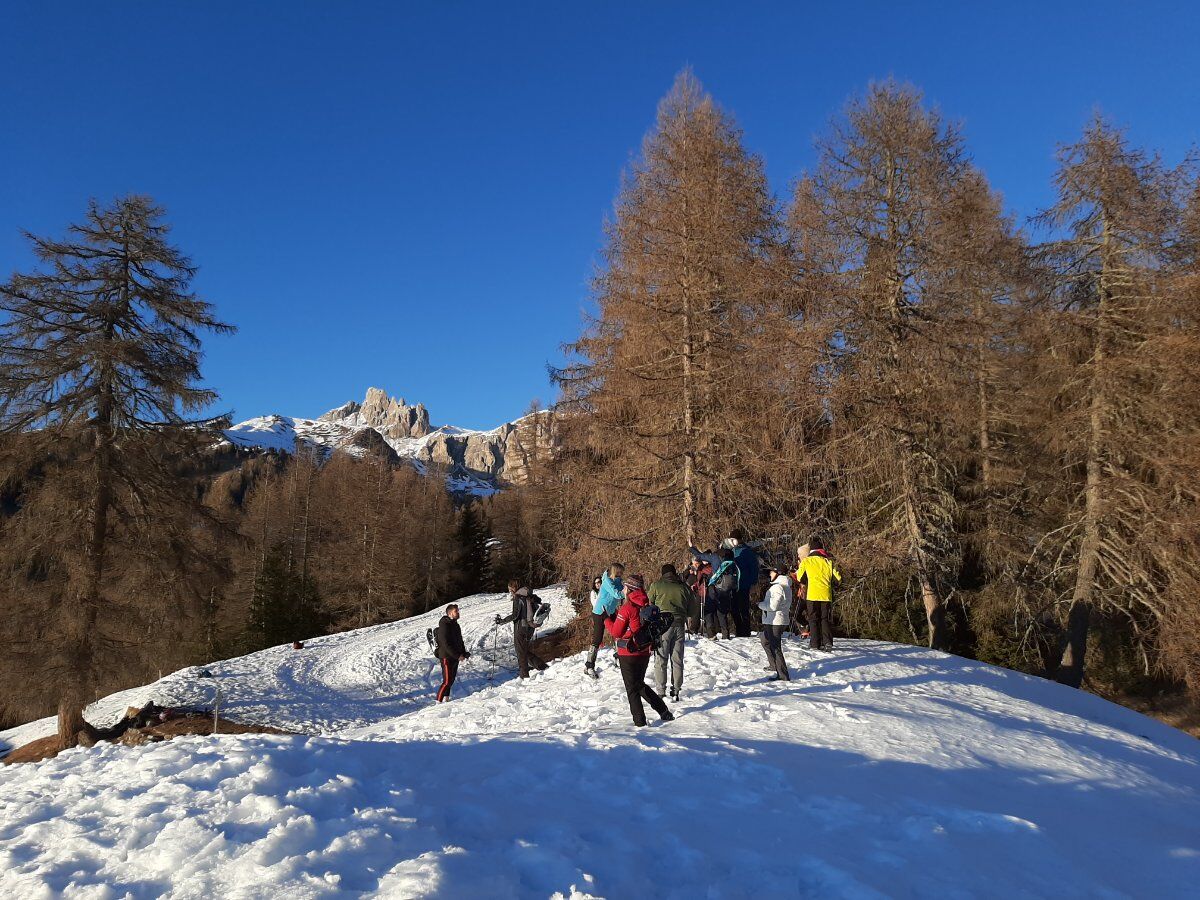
<point x="412" y="195"/>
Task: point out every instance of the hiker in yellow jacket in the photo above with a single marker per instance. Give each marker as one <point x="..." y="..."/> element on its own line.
<point x="818" y="573"/>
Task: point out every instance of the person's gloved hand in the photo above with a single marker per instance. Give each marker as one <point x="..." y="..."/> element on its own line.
<point x="498" y="619"/>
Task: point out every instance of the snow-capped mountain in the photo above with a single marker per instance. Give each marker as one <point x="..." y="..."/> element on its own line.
<point x="473" y="462"/>
<point x="880" y="770"/>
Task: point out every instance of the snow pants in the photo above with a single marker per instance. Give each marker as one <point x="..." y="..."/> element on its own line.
<point x="772" y="641"/>
<point x="820" y="624"/>
<point x="526" y="658"/>
<point x="449" y="673"/>
<point x="741" y="613"/>
<point x="633" y="673"/>
<point x="670" y="647"/>
<point x="597" y="639"/>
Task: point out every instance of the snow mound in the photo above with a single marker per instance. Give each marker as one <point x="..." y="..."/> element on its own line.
<point x="880" y="770"/>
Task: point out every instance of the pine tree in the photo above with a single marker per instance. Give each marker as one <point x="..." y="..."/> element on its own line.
<point x="99" y="371"/>
<point x="472" y="536"/>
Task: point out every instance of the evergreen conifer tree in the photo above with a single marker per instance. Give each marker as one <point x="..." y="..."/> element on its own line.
<point x="100" y="376"/>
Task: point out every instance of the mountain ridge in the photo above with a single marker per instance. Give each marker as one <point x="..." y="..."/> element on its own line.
<point x="473" y="462"/>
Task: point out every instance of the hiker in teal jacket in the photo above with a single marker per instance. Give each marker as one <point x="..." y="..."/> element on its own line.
<point x="723" y="590"/>
<point x="612" y="595"/>
<point x="612" y="592"/>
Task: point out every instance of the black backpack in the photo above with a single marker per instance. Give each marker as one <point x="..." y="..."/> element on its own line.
<point x="653" y="625"/>
<point x="534" y="611"/>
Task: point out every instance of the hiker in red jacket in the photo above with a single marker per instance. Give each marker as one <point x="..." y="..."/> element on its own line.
<point x="634" y="663"/>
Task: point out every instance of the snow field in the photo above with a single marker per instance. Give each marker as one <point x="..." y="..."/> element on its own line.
<point x="880" y="770"/>
<point x="337" y="681"/>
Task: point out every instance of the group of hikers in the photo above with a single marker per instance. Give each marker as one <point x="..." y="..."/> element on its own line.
<point x="712" y="598"/>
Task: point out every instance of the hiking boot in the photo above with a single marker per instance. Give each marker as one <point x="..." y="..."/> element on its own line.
<point x="668" y="716"/>
<point x="591" y="670"/>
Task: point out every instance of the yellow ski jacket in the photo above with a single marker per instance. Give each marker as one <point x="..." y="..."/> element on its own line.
<point x="819" y="573"/>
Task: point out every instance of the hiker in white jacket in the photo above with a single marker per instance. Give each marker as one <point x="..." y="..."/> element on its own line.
<point x="776" y="609"/>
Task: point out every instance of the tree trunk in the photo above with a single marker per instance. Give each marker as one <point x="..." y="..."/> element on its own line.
<point x="689" y="426"/>
<point x="985" y="421"/>
<point x="935" y="613"/>
<point x="1074" y="646"/>
<point x="80" y="612"/>
<point x="1070" y="669"/>
<point x="935" y="610"/>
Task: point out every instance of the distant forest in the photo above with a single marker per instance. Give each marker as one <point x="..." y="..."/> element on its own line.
<point x="994" y="425"/>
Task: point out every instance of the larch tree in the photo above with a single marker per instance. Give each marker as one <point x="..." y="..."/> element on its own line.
<point x="884" y="193"/>
<point x="100" y="351"/>
<point x="1120" y="327"/>
<point x="660" y="374"/>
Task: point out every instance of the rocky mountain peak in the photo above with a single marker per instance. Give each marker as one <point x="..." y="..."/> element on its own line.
<point x="473" y="462"/>
<point x="392" y="417"/>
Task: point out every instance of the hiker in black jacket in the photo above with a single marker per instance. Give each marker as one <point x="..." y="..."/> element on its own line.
<point x="449" y="649"/>
<point x="525" y="604"/>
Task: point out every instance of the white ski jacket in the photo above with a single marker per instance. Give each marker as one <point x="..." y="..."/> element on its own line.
<point x="776" y="604"/>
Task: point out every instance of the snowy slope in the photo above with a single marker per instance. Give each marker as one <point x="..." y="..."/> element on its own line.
<point x="881" y="770"/>
<point x="334" y="683"/>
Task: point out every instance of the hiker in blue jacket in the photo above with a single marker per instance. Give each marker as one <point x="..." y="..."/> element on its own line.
<point x="608" y="601"/>
<point x="748" y="570"/>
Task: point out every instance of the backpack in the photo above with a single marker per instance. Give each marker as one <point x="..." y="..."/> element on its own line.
<point x="653" y="624"/>
<point x="537" y="611"/>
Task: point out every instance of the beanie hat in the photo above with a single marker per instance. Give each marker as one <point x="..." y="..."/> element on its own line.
<point x="635" y="582"/>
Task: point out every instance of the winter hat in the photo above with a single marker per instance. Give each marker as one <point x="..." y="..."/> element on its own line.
<point x="635" y="582"/>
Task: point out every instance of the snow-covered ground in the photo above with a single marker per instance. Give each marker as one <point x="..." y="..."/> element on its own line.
<point x="336" y="682"/>
<point x="881" y="770"/>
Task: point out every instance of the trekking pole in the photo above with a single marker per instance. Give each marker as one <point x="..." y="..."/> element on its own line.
<point x="495" y="650"/>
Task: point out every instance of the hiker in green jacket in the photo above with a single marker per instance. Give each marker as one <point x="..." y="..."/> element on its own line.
<point x="676" y="600"/>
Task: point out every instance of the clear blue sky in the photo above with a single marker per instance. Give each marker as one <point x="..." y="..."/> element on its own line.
<point x="411" y="195"/>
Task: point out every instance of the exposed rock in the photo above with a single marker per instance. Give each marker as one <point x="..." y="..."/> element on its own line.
<point x="503" y="454"/>
<point x="474" y="462"/>
<point x="342" y="413"/>
<point x="373" y="443"/>
<point x="391" y="417"/>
